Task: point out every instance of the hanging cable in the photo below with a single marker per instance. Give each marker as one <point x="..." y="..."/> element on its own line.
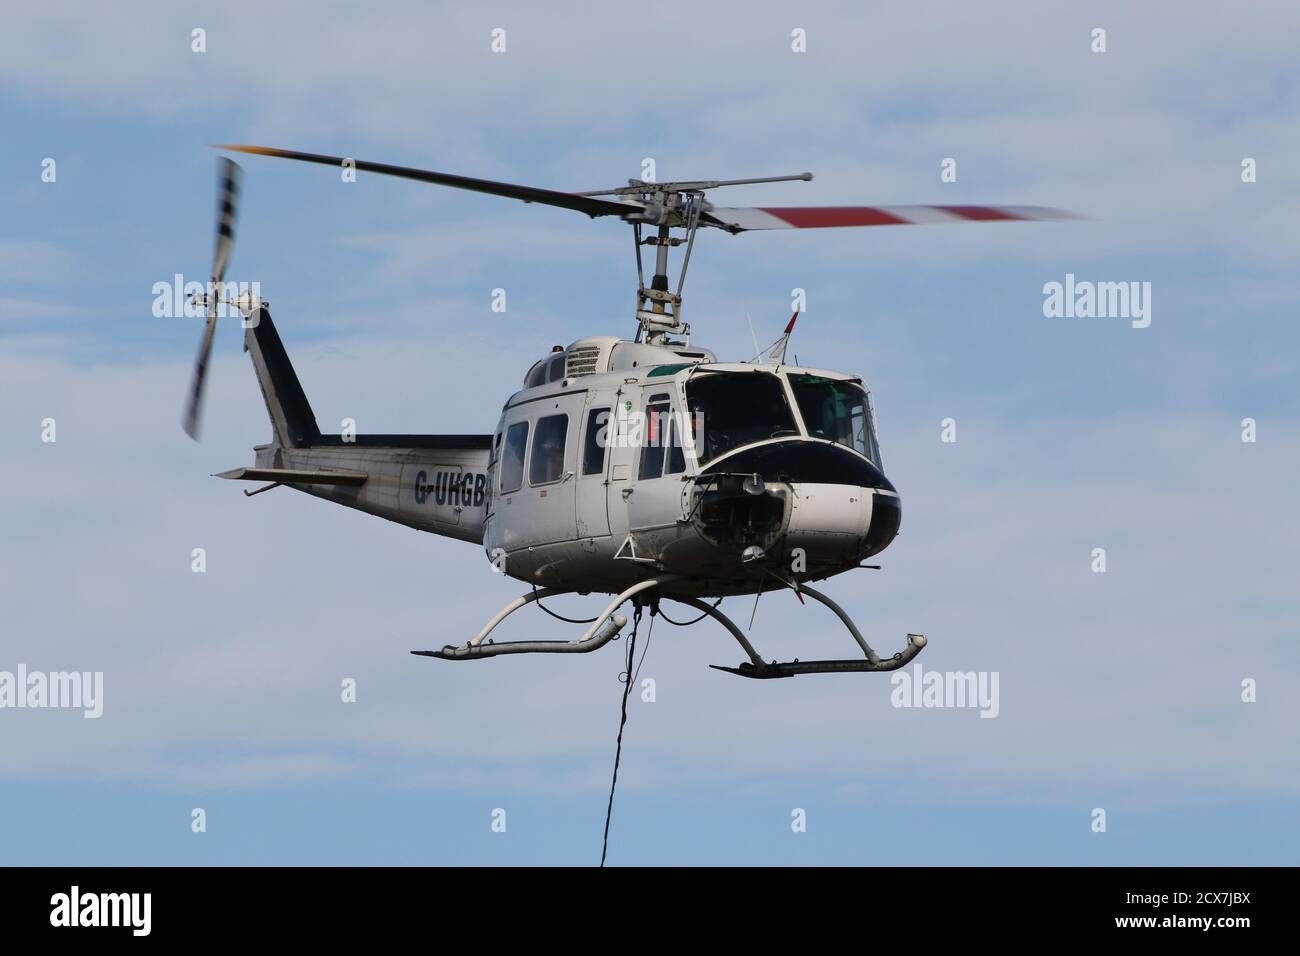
<point x="618" y="750"/>
<point x="559" y="617"/>
<point x="650" y="631"/>
<point x="688" y="623"/>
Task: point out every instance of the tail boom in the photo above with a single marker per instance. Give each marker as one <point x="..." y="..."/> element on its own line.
<point x="435" y="483"/>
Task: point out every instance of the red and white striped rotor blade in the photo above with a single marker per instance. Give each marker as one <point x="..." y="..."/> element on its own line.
<point x="744" y="219"/>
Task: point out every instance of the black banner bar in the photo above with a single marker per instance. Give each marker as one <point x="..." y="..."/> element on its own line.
<point x="331" y="904"/>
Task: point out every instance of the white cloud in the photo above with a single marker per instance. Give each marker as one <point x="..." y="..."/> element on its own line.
<point x="31" y="261"/>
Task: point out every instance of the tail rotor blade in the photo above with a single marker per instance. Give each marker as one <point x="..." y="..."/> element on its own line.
<point x="194" y="407"/>
<point x="228" y="176"/>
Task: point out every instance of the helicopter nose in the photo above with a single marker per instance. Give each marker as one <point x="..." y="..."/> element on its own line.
<point x="886" y="516"/>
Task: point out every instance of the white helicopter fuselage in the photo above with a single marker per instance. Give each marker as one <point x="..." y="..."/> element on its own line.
<point x="619" y="461"/>
<point x="623" y="460"/>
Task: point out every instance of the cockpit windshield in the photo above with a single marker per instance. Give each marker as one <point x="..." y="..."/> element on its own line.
<point x="730" y="409"/>
<point x="836" y="410"/>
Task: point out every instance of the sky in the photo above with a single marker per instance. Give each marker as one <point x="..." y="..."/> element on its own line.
<point x="1120" y="691"/>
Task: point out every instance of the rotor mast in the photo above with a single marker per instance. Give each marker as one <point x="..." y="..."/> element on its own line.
<point x="658" y="311"/>
<point x="669" y="206"/>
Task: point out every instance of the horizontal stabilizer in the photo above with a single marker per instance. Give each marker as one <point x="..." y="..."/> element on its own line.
<point x="294" y="476"/>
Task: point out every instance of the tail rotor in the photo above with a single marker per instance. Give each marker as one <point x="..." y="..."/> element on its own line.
<point x="228" y="177"/>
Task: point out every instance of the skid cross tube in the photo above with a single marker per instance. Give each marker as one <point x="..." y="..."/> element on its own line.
<point x="848" y="622"/>
<point x="601" y="632"/>
<point x="726" y="622"/>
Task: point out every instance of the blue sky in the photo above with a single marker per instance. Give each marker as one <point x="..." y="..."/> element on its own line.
<point x="1119" y="691"/>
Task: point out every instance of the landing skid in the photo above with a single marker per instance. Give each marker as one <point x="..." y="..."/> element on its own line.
<point x="607" y="626"/>
<point x="757" y="668"/>
<point x="791" y="668"/>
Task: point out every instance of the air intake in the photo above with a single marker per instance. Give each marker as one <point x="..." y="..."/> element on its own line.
<point x="581" y="361"/>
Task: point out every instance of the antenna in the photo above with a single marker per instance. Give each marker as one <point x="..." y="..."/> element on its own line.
<point x="774" y="354"/>
<point x="783" y="341"/>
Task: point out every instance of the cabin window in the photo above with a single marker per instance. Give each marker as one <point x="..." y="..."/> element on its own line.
<point x="547" y="462"/>
<point x="512" y="460"/>
<point x="654" y="435"/>
<point x="595" y="438"/>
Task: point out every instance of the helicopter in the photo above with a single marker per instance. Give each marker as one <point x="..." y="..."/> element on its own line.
<point x="641" y="468"/>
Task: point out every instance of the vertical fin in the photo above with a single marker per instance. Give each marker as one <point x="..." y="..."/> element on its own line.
<point x="286" y="402"/>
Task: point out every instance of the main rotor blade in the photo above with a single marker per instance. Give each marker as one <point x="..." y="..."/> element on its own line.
<point x="744" y="219"/>
<point x="588" y="204"/>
